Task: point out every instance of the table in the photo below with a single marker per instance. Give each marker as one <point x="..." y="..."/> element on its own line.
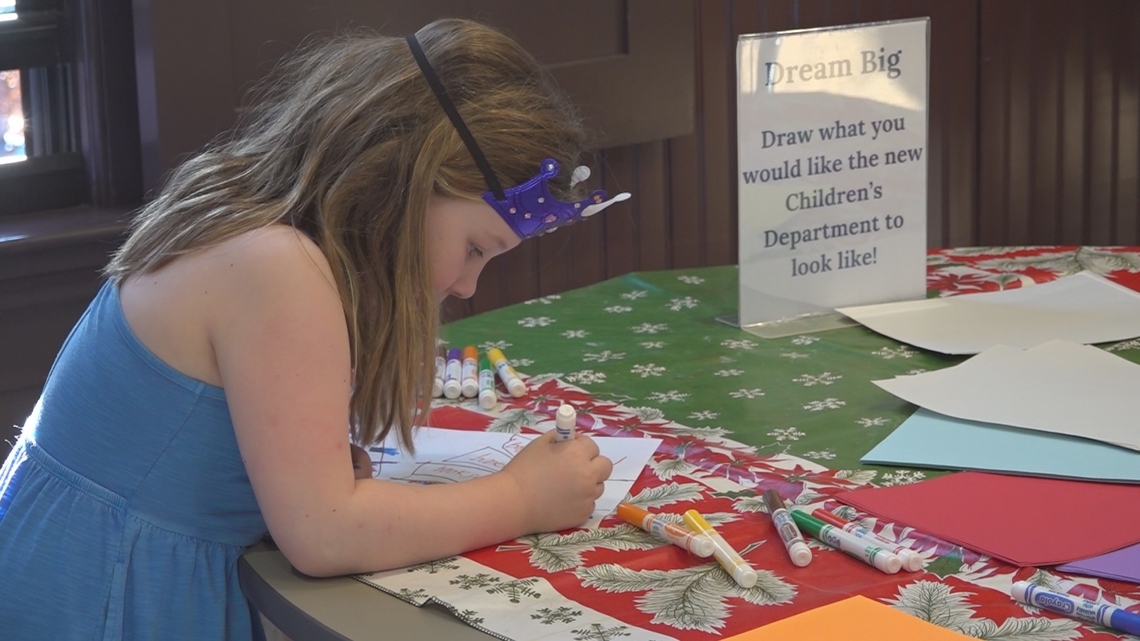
<point x="645" y="355"/>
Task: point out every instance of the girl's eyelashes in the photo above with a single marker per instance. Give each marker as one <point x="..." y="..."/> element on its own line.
<point x="474" y="252"/>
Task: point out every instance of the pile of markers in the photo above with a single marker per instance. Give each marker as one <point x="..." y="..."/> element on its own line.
<point x="702" y="540"/>
<point x="883" y="554"/>
<point x="463" y="373"/>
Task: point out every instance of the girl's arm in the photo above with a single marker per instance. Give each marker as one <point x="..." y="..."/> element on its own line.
<point x="280" y="339"/>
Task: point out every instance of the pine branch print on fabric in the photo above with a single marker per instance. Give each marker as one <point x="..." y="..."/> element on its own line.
<point x="1024" y="629"/>
<point x="652" y="497"/>
<point x="935" y="603"/>
<point x="1102" y="261"/>
<point x="512" y="421"/>
<point x="939" y="604"/>
<point x="693" y="598"/>
<point x="558" y="552"/>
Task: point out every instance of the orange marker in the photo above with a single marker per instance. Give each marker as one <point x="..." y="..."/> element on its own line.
<point x="698" y="544"/>
<point x="470" y="377"/>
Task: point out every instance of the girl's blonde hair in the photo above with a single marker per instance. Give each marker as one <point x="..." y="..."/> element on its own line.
<point x="346" y="143"/>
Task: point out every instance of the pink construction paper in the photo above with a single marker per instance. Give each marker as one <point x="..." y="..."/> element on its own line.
<point x="1023" y="520"/>
<point x="1122" y="565"/>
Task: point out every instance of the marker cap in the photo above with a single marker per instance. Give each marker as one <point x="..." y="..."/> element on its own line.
<point x="887" y="562"/>
<point x="564" y="421"/>
<point x="451" y="389"/>
<point x="745" y="577"/>
<point x="470" y="353"/>
<point x="702" y="546"/>
<point x="496" y="355"/>
<point x="911" y="560"/>
<point x="800" y="554"/>
<point x="487" y="399"/>
<point x="566" y="416"/>
<point x="453" y="354"/>
<point x="1018" y="590"/>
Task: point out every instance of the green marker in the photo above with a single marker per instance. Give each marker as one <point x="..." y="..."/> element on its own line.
<point x="487" y="396"/>
<point x="848" y="543"/>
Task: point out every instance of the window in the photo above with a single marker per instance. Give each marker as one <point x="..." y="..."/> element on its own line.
<point x="40" y="163"/>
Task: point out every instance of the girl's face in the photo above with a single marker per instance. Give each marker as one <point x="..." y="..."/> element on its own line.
<point x="462" y="235"/>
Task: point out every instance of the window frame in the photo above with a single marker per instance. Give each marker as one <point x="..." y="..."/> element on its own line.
<point x="76" y="62"/>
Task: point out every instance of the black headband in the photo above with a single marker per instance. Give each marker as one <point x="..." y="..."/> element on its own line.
<point x="456" y="120"/>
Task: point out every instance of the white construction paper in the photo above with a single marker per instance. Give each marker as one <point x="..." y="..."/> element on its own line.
<point x="1058" y="387"/>
<point x="450" y="456"/>
<point x="1081" y="308"/>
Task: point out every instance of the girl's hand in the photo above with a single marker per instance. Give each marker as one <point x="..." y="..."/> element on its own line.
<point x="558" y="482"/>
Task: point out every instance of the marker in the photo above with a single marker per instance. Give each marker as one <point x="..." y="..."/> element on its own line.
<point x="662" y="528"/>
<point x="440" y="368"/>
<point x="507" y="373"/>
<point x="911" y="561"/>
<point x="564" y="421"/>
<point x="1097" y="612"/>
<point x="451" y="376"/>
<point x="798" y="550"/>
<point x="470" y="377"/>
<point x="848" y="543"/>
<point x="487" y="395"/>
<point x="728" y="558"/>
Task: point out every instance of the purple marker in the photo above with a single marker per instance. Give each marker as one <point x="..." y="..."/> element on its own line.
<point x="451" y="384"/>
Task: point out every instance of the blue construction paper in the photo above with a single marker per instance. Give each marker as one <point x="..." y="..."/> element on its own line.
<point x="929" y="439"/>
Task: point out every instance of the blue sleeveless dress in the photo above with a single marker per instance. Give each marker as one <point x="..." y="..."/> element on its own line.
<point x="125" y="504"/>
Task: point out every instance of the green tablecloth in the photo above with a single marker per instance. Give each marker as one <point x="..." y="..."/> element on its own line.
<point x="651" y="340"/>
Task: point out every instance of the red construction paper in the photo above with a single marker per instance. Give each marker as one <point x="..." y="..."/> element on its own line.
<point x="1026" y="521"/>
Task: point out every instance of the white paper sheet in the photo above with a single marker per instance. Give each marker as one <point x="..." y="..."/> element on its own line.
<point x="1058" y="387"/>
<point x="1082" y="308"/>
<point x="449" y="456"/>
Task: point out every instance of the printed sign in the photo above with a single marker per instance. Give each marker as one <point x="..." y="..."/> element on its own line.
<point x="832" y="143"/>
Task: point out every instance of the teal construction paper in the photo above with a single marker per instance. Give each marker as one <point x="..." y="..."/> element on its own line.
<point x="929" y="439"/>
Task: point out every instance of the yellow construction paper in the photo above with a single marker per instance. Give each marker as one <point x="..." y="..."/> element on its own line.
<point x="854" y="618"/>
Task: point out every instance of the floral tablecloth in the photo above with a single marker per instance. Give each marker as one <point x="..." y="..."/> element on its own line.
<point x="644" y="355"/>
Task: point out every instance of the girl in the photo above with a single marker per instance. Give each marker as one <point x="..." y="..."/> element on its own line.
<point x="285" y="286"/>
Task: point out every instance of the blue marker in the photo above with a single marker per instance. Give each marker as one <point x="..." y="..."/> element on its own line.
<point x="1098" y="612"/>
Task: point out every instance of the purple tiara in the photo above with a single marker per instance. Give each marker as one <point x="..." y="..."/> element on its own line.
<point x="531" y="210"/>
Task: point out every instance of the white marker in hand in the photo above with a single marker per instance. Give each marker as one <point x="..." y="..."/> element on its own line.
<point x="564" y="422"/>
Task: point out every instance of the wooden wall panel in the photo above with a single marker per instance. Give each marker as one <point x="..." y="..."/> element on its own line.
<point x="654" y="232"/>
<point x="1058" y="94"/>
<point x="1126" y="51"/>
<point x="716" y="133"/>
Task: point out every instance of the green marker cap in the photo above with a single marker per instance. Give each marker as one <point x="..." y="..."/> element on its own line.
<point x="808" y="523"/>
<point x="484" y="364"/>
